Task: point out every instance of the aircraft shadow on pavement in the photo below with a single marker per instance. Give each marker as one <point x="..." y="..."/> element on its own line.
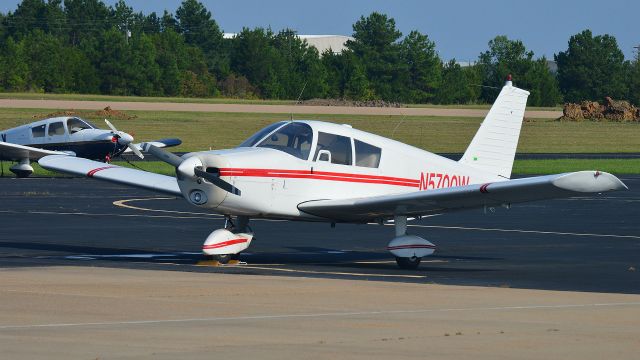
<point x="307" y="258"/>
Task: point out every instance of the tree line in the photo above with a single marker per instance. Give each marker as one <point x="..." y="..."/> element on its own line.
<point x="85" y="46"/>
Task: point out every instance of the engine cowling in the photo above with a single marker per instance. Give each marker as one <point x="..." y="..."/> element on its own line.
<point x="223" y="241"/>
<point x="196" y="190"/>
<point x="410" y="246"/>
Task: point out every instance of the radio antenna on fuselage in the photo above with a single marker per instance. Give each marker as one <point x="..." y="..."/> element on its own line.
<point x="404" y="116"/>
<point x="299" y="96"/>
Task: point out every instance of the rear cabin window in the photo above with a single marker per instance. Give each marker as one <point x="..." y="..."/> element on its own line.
<point x="56" y="128"/>
<point x="367" y="155"/>
<point x="338" y="146"/>
<point x="38" y="131"/>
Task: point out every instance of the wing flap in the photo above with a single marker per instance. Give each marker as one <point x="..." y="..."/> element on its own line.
<point x="15" y="152"/>
<point x="464" y="197"/>
<point x="112" y="173"/>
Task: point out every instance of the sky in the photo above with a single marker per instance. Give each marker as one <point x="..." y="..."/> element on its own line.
<point x="461" y="29"/>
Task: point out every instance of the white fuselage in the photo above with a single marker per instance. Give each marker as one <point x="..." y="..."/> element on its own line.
<point x="273" y="182"/>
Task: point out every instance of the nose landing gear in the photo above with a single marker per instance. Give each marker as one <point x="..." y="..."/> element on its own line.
<point x="225" y="245"/>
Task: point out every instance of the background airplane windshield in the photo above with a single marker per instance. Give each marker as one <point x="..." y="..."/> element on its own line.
<point x="74" y="125"/>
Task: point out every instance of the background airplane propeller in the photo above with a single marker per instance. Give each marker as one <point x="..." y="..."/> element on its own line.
<point x="124" y="139"/>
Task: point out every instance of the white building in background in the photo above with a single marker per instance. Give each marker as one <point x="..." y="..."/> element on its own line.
<point x="325" y="42"/>
<point x="321" y="42"/>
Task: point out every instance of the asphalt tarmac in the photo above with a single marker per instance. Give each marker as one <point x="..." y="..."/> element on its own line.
<point x="588" y="243"/>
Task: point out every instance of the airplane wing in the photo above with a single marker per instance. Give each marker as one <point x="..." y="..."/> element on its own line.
<point x="162" y="143"/>
<point x="464" y="197"/>
<point x="15" y="152"/>
<point x="112" y="173"/>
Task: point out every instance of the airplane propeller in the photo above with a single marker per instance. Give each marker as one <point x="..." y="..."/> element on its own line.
<point x="124" y="139"/>
<point x="198" y="171"/>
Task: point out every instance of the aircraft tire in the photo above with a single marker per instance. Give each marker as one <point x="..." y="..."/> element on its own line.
<point x="225" y="258"/>
<point x="407" y="263"/>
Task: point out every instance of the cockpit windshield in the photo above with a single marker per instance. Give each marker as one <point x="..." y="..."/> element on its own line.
<point x="76" y="124"/>
<point x="253" y="139"/>
<point x="294" y="139"/>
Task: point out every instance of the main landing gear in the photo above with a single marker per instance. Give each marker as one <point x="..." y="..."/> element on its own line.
<point x="408" y="249"/>
<point x="225" y="245"/>
<point x="22" y="169"/>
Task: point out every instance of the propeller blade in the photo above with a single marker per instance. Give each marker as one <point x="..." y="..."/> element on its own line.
<point x="216" y="181"/>
<point x="163" y="155"/>
<point x="135" y="150"/>
<point x="110" y="125"/>
<point x="175" y="160"/>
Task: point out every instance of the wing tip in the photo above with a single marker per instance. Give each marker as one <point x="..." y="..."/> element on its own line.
<point x="590" y="181"/>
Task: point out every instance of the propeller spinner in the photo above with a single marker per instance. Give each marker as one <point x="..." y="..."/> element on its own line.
<point x="197" y="170"/>
<point x="124" y="139"/>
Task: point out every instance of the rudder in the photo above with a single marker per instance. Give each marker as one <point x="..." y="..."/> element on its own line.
<point x="493" y="148"/>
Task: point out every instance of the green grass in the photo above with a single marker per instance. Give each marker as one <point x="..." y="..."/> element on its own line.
<point x="201" y="131"/>
<point x="521" y="167"/>
<point x="555" y="166"/>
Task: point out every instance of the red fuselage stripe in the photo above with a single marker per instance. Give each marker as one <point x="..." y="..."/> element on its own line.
<point x="321" y="175"/>
<point x="225" y="243"/>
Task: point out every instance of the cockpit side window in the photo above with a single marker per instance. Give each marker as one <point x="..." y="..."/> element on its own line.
<point x="74" y="125"/>
<point x="338" y="146"/>
<point x="294" y="139"/>
<point x="38" y="131"/>
<point x="367" y="155"/>
<point x="56" y="128"/>
<point x="261" y="134"/>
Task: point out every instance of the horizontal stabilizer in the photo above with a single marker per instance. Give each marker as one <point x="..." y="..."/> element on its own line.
<point x="162" y="143"/>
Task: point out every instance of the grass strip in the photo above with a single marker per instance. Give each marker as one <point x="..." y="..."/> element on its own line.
<point x="203" y="131"/>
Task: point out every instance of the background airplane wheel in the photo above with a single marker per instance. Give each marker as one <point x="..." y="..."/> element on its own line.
<point x="408" y="263"/>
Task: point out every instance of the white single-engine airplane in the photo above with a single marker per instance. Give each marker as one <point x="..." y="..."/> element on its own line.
<point x="318" y="171"/>
<point x="67" y="135"/>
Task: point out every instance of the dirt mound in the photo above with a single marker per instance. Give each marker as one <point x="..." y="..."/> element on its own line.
<point x="55" y="114"/>
<point x="351" y="103"/>
<point x="620" y="110"/>
<point x="616" y="110"/>
<point x="107" y="113"/>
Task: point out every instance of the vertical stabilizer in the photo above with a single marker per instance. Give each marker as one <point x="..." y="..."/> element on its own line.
<point x="493" y="148"/>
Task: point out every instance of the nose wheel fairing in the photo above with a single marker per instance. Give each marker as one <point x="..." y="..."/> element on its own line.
<point x="226" y="244"/>
<point x="223" y="241"/>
